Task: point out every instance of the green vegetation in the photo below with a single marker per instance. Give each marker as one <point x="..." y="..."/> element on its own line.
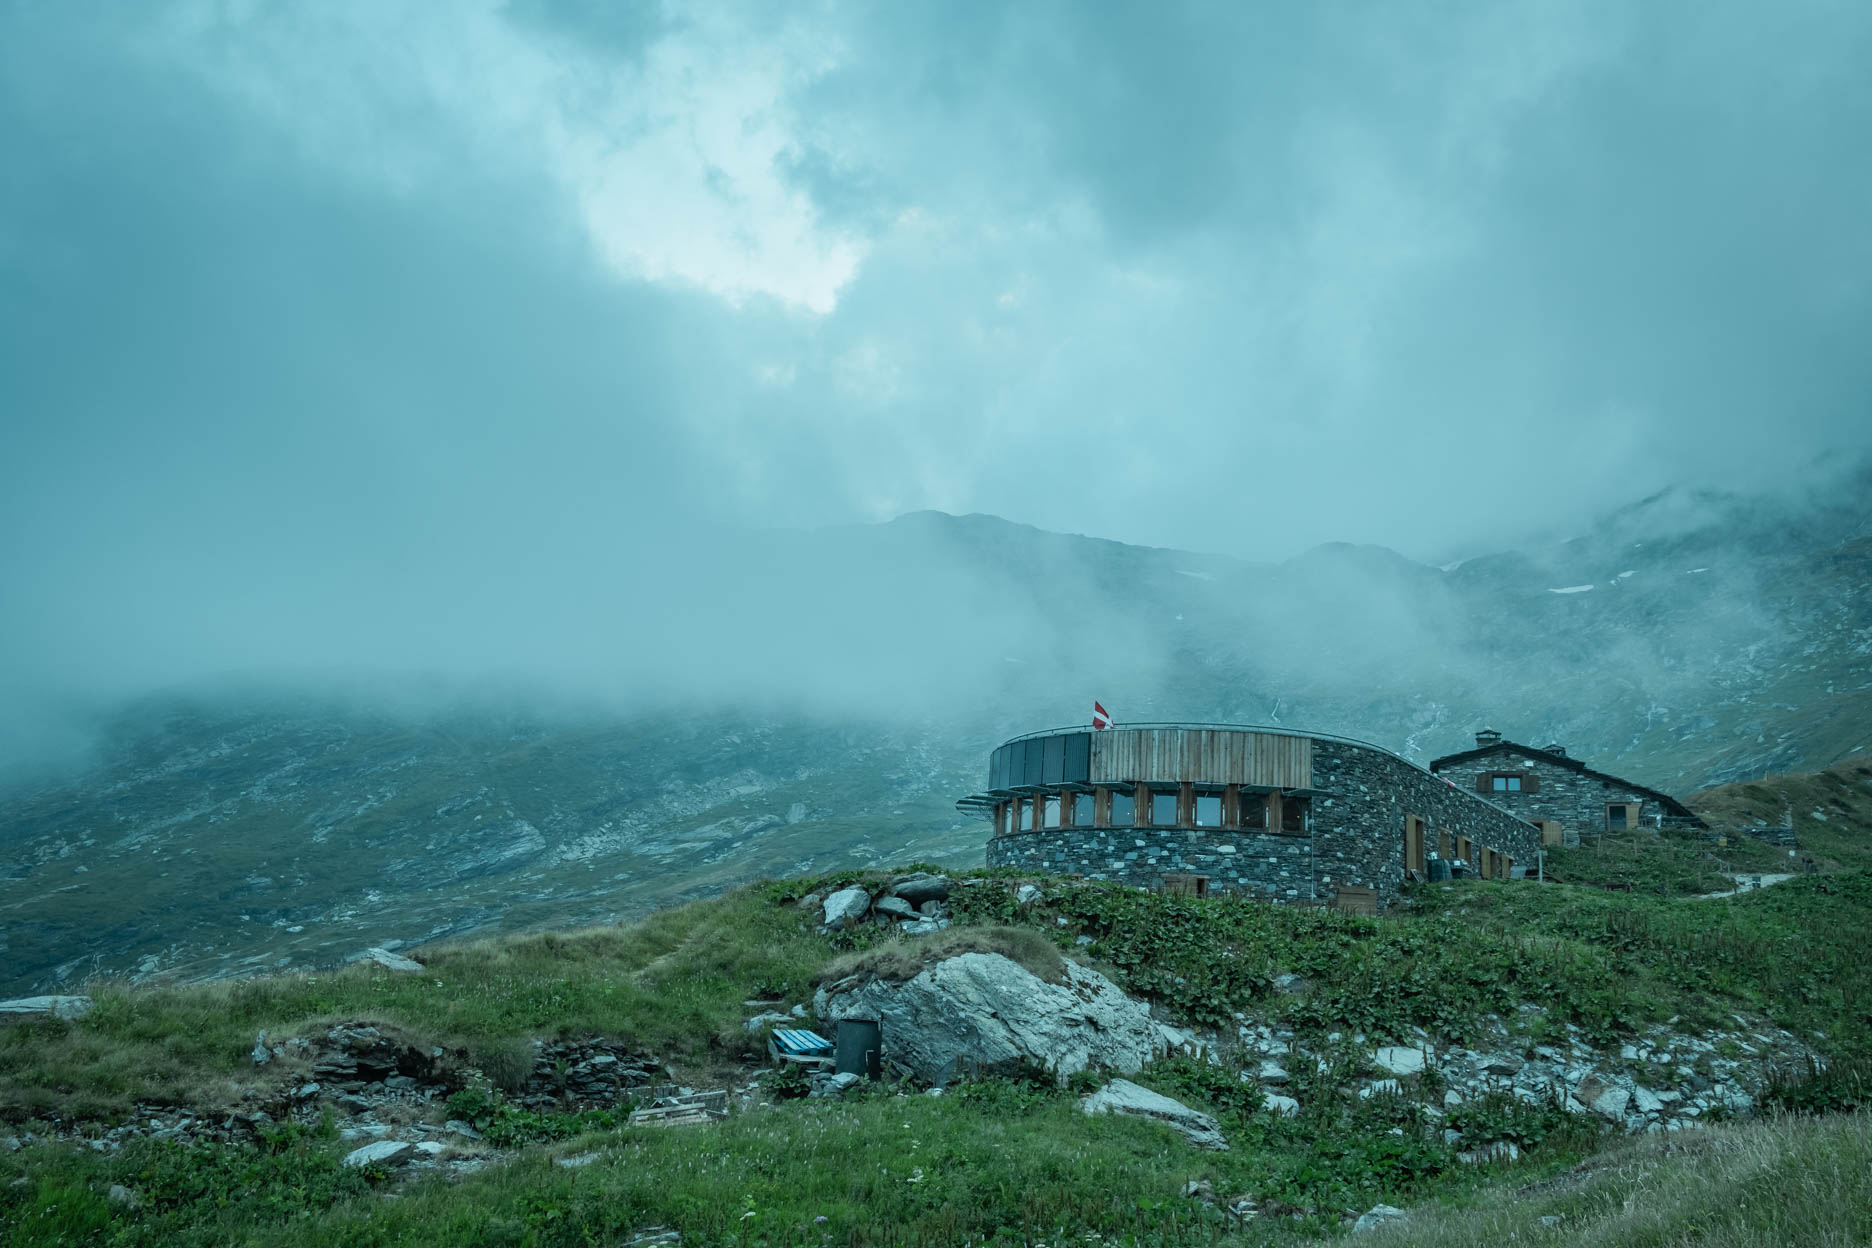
<point x="1830" y="811"/>
<point x="1005" y="1160"/>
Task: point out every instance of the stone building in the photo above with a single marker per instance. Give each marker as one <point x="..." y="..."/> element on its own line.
<point x="1561" y="794"/>
<point x="1285" y="816"/>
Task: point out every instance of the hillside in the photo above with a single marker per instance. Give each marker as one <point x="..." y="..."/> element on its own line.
<point x="1701" y="639"/>
<point x="155" y="1090"/>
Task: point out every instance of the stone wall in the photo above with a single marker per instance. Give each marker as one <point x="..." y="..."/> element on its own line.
<point x="1359" y="830"/>
<point x="1273" y="866"/>
<point x="1576" y="800"/>
<point x="1356" y="837"/>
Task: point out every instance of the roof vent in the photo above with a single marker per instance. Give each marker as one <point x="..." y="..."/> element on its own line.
<point x="1488" y="736"/>
<point x="1557" y="749"/>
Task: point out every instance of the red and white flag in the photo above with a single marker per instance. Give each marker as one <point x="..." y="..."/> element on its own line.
<point x="1101" y="718"/>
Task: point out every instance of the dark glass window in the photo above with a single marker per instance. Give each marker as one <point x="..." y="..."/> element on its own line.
<point x="1254" y="810"/>
<point x="1163" y="808"/>
<point x="1208" y="810"/>
<point x="1124" y="810"/>
<point x="1082" y="810"/>
<point x="1615" y="818"/>
<point x="1295" y="812"/>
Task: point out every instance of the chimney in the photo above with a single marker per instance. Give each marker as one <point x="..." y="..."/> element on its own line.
<point x="1487" y="737"/>
<point x="1557" y="749"/>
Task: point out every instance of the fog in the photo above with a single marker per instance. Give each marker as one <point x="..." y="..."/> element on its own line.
<point x="543" y="347"/>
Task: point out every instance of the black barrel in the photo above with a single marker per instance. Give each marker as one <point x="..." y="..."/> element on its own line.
<point x="857" y="1051"/>
<point x="1439" y="870"/>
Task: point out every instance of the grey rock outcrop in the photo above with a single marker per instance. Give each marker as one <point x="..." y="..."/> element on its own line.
<point x="921" y="887"/>
<point x="392" y="961"/>
<point x="897" y="908"/>
<point x="1377" y="1216"/>
<point x="846" y="907"/>
<point x="980" y="1011"/>
<point x="73" y="1008"/>
<point x="382" y="1153"/>
<point x="1121" y="1096"/>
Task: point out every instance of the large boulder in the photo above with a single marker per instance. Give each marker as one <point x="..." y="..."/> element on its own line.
<point x="921" y="887"/>
<point x="982" y="1011"/>
<point x="846" y="907"/>
<point x="1121" y="1096"/>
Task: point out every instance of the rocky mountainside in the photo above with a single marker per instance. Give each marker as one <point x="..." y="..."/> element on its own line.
<point x="1691" y="639"/>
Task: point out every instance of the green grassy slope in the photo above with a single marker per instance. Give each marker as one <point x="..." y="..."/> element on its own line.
<point x="1004" y="1157"/>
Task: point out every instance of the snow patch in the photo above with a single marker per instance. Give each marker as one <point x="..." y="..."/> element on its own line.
<point x="1571" y="589"/>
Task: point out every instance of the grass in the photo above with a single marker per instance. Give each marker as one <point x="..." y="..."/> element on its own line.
<point x="1762" y="1184"/>
<point x="1002" y="1160"/>
<point x="1830" y="810"/>
<point x="899" y="958"/>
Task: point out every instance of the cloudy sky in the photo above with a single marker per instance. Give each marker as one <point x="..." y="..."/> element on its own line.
<point x="344" y="303"/>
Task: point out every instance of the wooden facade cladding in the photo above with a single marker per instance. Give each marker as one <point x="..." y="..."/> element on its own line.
<point x="1207" y="755"/>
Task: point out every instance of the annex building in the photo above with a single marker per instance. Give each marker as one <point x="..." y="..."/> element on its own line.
<point x="1561" y="794"/>
<point x="1286" y="816"/>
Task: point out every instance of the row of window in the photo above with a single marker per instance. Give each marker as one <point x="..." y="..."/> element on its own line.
<point x="1153" y="807"/>
<point x="1488" y="863"/>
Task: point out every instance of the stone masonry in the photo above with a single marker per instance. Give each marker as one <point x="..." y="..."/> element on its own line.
<point x="1356" y="837"/>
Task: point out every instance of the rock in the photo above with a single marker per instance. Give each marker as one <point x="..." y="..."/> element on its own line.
<point x="121" y="1195"/>
<point x="1502" y="1065"/>
<point x="924" y="927"/>
<point x="846" y="907"/>
<point x="1398" y="1060"/>
<point x="1603" y="1097"/>
<point x="72" y="1008"/>
<point x="1380" y="1087"/>
<point x="896" y="908"/>
<point x="1451" y="1098"/>
<point x="931" y="910"/>
<point x="796" y="813"/>
<point x="980" y="1011"/>
<point x="429" y="1150"/>
<point x="365" y="1131"/>
<point x="577" y="1162"/>
<point x="1646" y="1101"/>
<point x="1288" y="982"/>
<point x="921" y="887"/>
<point x="761" y="1022"/>
<point x="463" y="1129"/>
<point x="1273" y="1072"/>
<point x="306" y="1092"/>
<point x="1377" y="1216"/>
<point x="1275" y="1103"/>
<point x="1027" y="894"/>
<point x="1121" y="1096"/>
<point x="261" y="1054"/>
<point x="1500" y="1150"/>
<point x="834" y="1085"/>
<point x="382" y="1153"/>
<point x="391" y="961"/>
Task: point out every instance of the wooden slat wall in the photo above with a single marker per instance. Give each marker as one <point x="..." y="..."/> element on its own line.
<point x="1212" y="755"/>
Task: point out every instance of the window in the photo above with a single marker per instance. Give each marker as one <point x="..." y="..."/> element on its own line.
<point x="1023" y="814"/>
<point x="1052" y="812"/>
<point x="1082" y="810"/>
<point x="1507" y="784"/>
<point x="1163" y="808"/>
<point x="1414" y="844"/>
<point x="1295" y="812"/>
<point x="1208" y="810"/>
<point x="1616" y="818"/>
<point x="1253" y="810"/>
<point x="1123" y="810"/>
